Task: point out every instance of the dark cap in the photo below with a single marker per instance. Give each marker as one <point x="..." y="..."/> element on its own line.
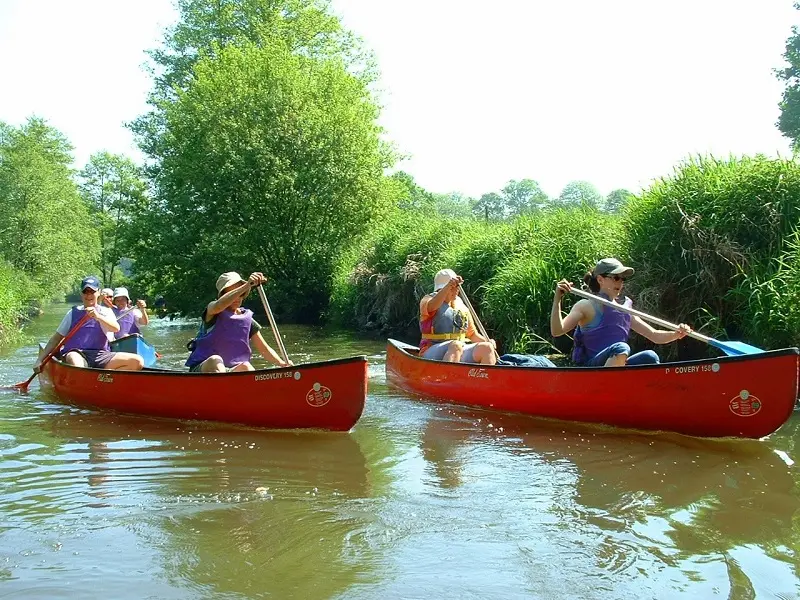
<point x="90" y="281"/>
<point x="611" y="266"/>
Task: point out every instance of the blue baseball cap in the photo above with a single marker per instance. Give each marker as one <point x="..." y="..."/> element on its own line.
<point x="90" y="281"/>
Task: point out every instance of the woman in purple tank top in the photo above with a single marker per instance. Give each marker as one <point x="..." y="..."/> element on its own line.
<point x="88" y="346"/>
<point x="601" y="333"/>
<point x="223" y="342"/>
<point x="129" y="322"/>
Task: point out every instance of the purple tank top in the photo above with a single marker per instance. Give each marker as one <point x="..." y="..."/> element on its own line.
<point x="613" y="326"/>
<point x="229" y="337"/>
<point x="89" y="337"/>
<point x="127" y="323"/>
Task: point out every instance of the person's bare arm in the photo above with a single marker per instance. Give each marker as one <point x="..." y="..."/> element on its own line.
<point x="217" y="306"/>
<point x="265" y="350"/>
<point x="582" y="312"/>
<point x="659" y="336"/>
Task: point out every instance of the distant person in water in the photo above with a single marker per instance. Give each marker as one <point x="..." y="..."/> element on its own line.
<point x="601" y="333"/>
<point x="88" y="346"/>
<point x="448" y="332"/>
<point x="129" y="320"/>
<point x="227" y="329"/>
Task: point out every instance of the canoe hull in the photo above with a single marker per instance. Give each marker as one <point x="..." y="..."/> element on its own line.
<point x="326" y="395"/>
<point x="741" y="396"/>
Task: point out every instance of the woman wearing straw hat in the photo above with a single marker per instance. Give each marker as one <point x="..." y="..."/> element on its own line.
<point x="227" y="329"/>
<point x="130" y="321"/>
<point x="445" y="324"/>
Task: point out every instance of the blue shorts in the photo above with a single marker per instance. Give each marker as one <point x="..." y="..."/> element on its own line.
<point x="437" y="352"/>
<point x="648" y="357"/>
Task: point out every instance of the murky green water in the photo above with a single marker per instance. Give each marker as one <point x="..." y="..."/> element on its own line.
<point x="418" y="501"/>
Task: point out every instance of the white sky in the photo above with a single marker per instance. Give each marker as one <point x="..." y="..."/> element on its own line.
<point x="615" y="92"/>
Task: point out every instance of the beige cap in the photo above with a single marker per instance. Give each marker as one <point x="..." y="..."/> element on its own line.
<point x="442" y="278"/>
<point x="228" y="279"/>
<point x="121" y="292"/>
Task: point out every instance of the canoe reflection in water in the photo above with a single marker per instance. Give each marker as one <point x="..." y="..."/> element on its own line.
<point x="634" y="490"/>
<point x="224" y="499"/>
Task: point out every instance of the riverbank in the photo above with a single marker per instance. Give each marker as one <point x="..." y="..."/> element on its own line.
<point x="715" y="245"/>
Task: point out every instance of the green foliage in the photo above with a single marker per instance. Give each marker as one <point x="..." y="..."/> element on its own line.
<point x="616" y="200"/>
<point x="411" y="196"/>
<point x="559" y="243"/>
<point x="380" y="281"/>
<point x="45" y="227"/>
<point x="453" y="205"/>
<point x="580" y="193"/>
<point x="17" y="297"/>
<point x="509" y="269"/>
<point x="712" y="227"/>
<point x="489" y="207"/>
<point x="113" y="187"/>
<point x="206" y="27"/>
<point x="789" y="119"/>
<point x="269" y="161"/>
<point x="523" y="197"/>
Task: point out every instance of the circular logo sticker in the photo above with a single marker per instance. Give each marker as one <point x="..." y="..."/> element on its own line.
<point x="319" y="395"/>
<point x="745" y="404"/>
<point x="715" y="367"/>
<point x="297" y="375"/>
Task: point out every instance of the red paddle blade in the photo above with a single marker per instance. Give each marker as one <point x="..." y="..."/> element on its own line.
<point x="22" y="386"/>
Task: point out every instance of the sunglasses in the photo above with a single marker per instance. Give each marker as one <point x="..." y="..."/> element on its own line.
<point x="88" y="291"/>
<point x="615" y="277"/>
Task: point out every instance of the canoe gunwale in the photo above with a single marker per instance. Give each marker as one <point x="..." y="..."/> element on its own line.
<point x="402" y="347"/>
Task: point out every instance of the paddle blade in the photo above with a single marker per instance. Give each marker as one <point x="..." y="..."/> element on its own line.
<point x="22" y="386"/>
<point x="735" y="348"/>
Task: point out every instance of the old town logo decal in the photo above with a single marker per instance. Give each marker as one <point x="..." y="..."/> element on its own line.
<point x="745" y="404"/>
<point x="319" y="395"/>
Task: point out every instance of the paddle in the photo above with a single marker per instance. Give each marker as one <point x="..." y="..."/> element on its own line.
<point x="22" y="386"/>
<point x="475" y="317"/>
<point x="272" y="323"/>
<point x="729" y="348"/>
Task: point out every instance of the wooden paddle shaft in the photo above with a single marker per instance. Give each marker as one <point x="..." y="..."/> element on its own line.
<point x="272" y="323"/>
<point x="474" y="315"/>
<point x="638" y="313"/>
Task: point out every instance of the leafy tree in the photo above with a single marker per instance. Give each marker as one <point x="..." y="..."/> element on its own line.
<point x="454" y="205"/>
<point x="206" y="27"/>
<point x="411" y="195"/>
<point x="523" y="197"/>
<point x="490" y="207"/>
<point x="113" y="187"/>
<point x="617" y="199"/>
<point x="580" y="193"/>
<point x="45" y="228"/>
<point x="789" y="119"/>
<point x="270" y="160"/>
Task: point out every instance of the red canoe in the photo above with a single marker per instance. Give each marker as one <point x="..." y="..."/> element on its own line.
<point x="324" y="395"/>
<point x="747" y="396"/>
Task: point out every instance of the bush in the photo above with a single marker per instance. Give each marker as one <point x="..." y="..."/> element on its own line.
<point x="707" y="237"/>
<point x="17" y="297"/>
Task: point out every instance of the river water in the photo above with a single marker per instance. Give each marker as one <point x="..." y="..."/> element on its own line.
<point x="418" y="501"/>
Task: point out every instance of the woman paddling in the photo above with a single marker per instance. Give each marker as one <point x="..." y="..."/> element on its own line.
<point x="446" y="325"/>
<point x="130" y="321"/>
<point x="88" y="346"/>
<point x="223" y="342"/>
<point x="601" y="337"/>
